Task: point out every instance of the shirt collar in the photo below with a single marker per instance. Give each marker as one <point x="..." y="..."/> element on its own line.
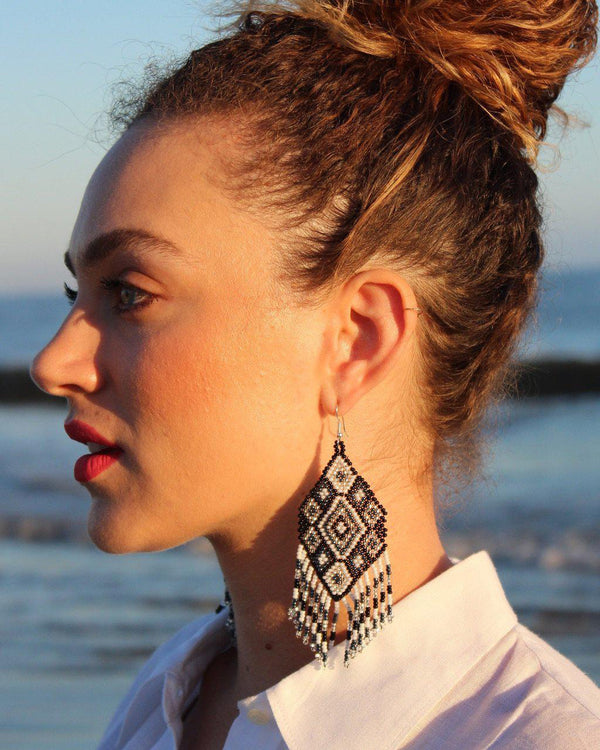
<point x="175" y="674"/>
<point x="439" y="631"/>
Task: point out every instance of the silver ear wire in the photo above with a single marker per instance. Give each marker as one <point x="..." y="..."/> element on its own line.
<point x="339" y="431"/>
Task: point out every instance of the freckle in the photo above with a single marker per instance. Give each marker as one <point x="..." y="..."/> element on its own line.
<point x="268" y="646"/>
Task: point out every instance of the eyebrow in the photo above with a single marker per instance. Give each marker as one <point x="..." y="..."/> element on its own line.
<point x="104" y="245"/>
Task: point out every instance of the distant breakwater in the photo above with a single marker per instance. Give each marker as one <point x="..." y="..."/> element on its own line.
<point x="547" y="377"/>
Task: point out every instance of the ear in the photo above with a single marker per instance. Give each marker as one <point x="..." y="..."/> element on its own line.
<point x="370" y="333"/>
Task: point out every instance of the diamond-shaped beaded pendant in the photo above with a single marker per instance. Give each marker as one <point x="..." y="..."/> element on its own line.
<point x="342" y="556"/>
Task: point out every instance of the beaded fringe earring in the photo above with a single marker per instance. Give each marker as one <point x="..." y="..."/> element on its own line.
<point x="342" y="556"/>
<point x="229" y="622"/>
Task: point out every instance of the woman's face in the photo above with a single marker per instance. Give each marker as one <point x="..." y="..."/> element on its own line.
<point x="190" y="358"/>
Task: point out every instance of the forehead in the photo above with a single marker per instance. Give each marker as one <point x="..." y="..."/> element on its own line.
<point x="169" y="181"/>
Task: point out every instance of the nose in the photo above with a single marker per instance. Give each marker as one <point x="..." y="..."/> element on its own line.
<point x="68" y="362"/>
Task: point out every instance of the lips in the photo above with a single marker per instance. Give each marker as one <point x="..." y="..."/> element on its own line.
<point x="83" y="433"/>
<point x="90" y="465"/>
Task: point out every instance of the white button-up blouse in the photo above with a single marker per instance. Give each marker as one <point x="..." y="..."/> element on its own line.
<point x="454" y="670"/>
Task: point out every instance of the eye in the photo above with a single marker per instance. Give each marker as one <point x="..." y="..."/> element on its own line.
<point x="129" y="297"/>
<point x="70" y="294"/>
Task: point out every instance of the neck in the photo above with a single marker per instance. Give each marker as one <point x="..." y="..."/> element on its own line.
<point x="258" y="559"/>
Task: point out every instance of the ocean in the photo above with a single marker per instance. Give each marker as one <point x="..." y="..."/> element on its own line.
<point x="77" y="624"/>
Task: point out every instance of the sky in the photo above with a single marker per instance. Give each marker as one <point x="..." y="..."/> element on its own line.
<point x="60" y="61"/>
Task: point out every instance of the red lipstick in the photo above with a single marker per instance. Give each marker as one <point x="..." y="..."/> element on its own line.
<point x="90" y="465"/>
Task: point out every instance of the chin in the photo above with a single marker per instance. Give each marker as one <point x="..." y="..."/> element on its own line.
<point x="121" y="536"/>
<point x="111" y="540"/>
<point x="111" y="534"/>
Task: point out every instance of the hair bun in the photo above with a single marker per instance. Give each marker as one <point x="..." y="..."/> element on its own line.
<point x="511" y="56"/>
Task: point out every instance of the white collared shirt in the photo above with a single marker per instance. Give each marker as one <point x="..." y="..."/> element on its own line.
<point x="454" y="670"/>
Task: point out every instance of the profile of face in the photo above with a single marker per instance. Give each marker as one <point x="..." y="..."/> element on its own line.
<point x="181" y="349"/>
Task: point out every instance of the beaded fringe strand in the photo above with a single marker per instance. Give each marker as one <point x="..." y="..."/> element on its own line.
<point x="368" y="603"/>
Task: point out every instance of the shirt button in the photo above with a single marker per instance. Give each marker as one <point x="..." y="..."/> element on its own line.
<point x="258" y="716"/>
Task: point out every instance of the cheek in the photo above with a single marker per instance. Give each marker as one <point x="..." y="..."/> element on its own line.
<point x="222" y="410"/>
<point x="179" y="386"/>
<point x="168" y="378"/>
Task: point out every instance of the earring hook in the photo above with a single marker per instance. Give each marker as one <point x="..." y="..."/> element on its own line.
<point x="339" y="431"/>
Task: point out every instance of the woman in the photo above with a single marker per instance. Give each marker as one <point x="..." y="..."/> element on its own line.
<point x="329" y="211"/>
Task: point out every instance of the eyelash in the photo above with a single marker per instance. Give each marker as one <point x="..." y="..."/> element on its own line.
<point x="111" y="285"/>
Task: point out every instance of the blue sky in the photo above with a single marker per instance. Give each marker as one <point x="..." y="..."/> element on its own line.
<point x="59" y="60"/>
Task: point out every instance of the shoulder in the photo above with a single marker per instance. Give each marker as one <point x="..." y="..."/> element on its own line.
<point x="521" y="695"/>
<point x="556" y="705"/>
<point x="563" y="674"/>
<point x="147" y="685"/>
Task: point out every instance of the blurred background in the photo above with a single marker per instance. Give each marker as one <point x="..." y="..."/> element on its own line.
<point x="76" y="623"/>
